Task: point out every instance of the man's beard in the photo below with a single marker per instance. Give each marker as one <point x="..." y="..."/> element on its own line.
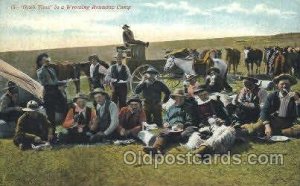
<point x="149" y="82"/>
<point x="285" y="91"/>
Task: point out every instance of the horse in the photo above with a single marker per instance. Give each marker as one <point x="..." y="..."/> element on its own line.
<point x="233" y="58"/>
<point x="186" y="65"/>
<point x="253" y="56"/>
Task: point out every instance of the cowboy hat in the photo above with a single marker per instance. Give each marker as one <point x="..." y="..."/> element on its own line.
<point x="151" y="70"/>
<point x="11" y="86"/>
<point x="213" y="69"/>
<point x="98" y="91"/>
<point x="189" y="77"/>
<point x="81" y="96"/>
<point x="134" y="98"/>
<point x="177" y="93"/>
<point x="125" y="26"/>
<point x="31" y="106"/>
<point x="291" y="79"/>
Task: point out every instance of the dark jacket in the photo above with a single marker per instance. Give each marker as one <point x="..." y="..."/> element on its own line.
<point x="272" y="105"/>
<point x="152" y="93"/>
<point x="29" y="128"/>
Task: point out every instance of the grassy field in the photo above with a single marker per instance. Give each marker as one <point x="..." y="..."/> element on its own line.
<point x="104" y="165"/>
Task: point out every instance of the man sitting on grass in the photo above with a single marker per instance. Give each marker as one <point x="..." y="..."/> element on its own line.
<point x="280" y="110"/>
<point x="78" y="121"/>
<point x="131" y="118"/>
<point x="107" y="117"/>
<point x="176" y="121"/>
<point x="33" y="128"/>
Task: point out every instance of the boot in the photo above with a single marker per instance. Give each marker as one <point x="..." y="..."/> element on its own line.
<point x="292" y="131"/>
<point x="253" y="127"/>
<point x="156" y="148"/>
<point x="201" y="150"/>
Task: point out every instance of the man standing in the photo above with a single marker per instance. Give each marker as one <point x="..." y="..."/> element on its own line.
<point x="119" y="75"/>
<point x="98" y="70"/>
<point x="107" y="117"/>
<point x="33" y="128"/>
<point x="47" y="77"/>
<point x="152" y="90"/>
<point x="280" y="110"/>
<point x="128" y="37"/>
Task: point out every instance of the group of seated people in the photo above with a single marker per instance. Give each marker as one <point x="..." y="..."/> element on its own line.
<point x="204" y="124"/>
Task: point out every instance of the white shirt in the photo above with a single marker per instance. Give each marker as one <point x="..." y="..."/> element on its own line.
<point x="102" y="69"/>
<point x="119" y="67"/>
<point x="221" y="65"/>
<point x="284" y="102"/>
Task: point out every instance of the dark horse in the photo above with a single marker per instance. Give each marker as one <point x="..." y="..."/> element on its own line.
<point x="233" y="57"/>
<point x="253" y="56"/>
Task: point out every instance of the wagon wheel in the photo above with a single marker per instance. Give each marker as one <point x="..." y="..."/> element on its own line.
<point x="137" y="76"/>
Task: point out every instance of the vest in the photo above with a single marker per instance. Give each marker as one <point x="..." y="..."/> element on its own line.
<point x="104" y="120"/>
<point x="122" y="75"/>
<point x="96" y="74"/>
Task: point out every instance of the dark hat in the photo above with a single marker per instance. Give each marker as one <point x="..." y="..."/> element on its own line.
<point x="189" y="77"/>
<point x="31" y="106"/>
<point x="199" y="90"/>
<point x="94" y="56"/>
<point x="291" y="79"/>
<point x="98" y="91"/>
<point x="134" y="98"/>
<point x="177" y="93"/>
<point x="213" y="69"/>
<point x="62" y="83"/>
<point x="250" y="79"/>
<point x="11" y="87"/>
<point x="81" y="96"/>
<point x="125" y="26"/>
<point x="151" y="70"/>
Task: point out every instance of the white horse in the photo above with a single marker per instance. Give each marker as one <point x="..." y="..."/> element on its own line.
<point x="184" y="64"/>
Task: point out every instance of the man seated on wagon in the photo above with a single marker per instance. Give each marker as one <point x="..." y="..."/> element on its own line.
<point x="128" y="37"/>
<point x="280" y="110"/>
<point x="78" y="121"/>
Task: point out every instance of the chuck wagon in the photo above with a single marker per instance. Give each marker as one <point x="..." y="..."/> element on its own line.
<point x="138" y="64"/>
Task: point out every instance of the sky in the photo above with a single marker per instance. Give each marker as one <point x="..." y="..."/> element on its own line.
<point x="66" y="23"/>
